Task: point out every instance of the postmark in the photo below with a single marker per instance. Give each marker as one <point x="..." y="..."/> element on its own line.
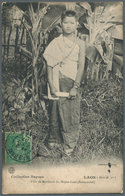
<point x="19" y="148"/>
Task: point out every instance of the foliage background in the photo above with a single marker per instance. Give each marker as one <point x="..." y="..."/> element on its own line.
<point x="24" y="105"/>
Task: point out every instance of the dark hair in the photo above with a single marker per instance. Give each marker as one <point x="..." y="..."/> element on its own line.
<point x="69" y="13"/>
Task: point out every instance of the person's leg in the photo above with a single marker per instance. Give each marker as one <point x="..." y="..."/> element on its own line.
<point x="54" y="137"/>
<point x="70" y="116"/>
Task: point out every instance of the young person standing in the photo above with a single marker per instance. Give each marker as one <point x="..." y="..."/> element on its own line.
<point x="65" y="57"/>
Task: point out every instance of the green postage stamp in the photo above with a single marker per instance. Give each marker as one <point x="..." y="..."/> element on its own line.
<point x="18" y="148"/>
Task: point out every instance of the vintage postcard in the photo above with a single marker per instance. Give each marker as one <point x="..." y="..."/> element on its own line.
<point x="62" y="97"/>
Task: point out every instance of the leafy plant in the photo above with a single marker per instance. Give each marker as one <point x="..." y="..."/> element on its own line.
<point x="15" y="105"/>
<point x="98" y="22"/>
<point x="34" y="32"/>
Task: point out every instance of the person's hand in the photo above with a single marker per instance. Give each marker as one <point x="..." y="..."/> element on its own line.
<point x="53" y="90"/>
<point x="72" y="93"/>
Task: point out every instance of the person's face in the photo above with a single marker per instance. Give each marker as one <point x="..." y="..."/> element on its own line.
<point x="69" y="24"/>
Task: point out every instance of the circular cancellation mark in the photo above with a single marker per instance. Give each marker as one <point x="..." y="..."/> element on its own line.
<point x="19" y="148"/>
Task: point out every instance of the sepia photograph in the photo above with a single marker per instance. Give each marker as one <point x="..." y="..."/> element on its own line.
<point x="62" y="97"/>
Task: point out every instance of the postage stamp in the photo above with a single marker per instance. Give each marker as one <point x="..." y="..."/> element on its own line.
<point x="18" y="148"/>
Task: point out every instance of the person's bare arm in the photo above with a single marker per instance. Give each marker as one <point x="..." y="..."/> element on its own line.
<point x="50" y="80"/>
<point x="81" y="64"/>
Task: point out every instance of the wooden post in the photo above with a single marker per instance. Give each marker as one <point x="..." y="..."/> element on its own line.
<point x="16" y="40"/>
<point x="8" y="41"/>
<point x="4" y="43"/>
<point x="22" y="36"/>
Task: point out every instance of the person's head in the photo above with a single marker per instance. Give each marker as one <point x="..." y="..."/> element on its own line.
<point x="69" y="21"/>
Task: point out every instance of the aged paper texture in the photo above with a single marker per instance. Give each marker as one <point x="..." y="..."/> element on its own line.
<point x="62" y="97"/>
